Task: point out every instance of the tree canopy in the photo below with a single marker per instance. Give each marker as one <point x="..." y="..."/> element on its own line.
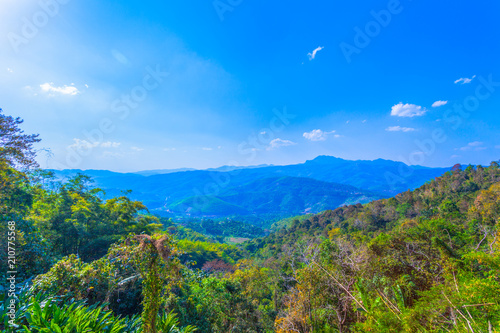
<point x="16" y="148"/>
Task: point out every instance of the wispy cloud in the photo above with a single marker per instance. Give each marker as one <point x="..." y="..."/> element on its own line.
<point x="473" y="146"/>
<point x="136" y="148"/>
<point x="407" y="110"/>
<point x="277" y="143"/>
<point x="399" y="129"/>
<point x="439" y="103"/>
<point x="79" y="144"/>
<point x="169" y="149"/>
<point x="464" y="80"/>
<point x="10" y="70"/>
<point x="207" y="148"/>
<point x="84" y="144"/>
<point x="110" y="144"/>
<point x="318" y="135"/>
<point x="312" y="55"/>
<point x="64" y="90"/>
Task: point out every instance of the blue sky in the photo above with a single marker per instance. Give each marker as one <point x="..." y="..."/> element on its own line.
<point x="135" y="85"/>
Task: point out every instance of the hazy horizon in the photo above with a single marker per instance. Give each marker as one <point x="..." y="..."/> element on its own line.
<point x="243" y="166"/>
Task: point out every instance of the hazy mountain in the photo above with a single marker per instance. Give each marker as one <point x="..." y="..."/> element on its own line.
<point x="242" y="190"/>
<point x="161" y="171"/>
<point x="383" y="176"/>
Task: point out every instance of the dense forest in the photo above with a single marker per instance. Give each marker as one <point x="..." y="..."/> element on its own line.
<point x="425" y="260"/>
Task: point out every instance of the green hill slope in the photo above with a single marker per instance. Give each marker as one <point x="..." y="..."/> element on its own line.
<point x="277" y="195"/>
<point x="426" y="260"/>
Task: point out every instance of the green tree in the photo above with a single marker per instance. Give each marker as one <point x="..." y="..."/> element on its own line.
<point x="16" y="148"/>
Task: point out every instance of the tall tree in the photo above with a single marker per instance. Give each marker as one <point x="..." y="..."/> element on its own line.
<point x="16" y="148"/>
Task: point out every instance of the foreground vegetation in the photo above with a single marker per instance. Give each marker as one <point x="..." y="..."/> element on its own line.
<point x="424" y="261"/>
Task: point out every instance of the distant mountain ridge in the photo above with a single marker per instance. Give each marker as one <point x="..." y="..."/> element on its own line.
<point x="223" y="168"/>
<point x="230" y="190"/>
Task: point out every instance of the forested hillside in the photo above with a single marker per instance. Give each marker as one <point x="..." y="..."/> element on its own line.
<point x="278" y="196"/>
<point x="425" y="260"/>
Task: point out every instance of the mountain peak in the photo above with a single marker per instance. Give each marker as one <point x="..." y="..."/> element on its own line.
<point x="325" y="159"/>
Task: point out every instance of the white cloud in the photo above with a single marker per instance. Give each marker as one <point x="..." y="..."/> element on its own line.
<point x="312" y="55"/>
<point x="86" y="86"/>
<point x="65" y="90"/>
<point x="364" y="121"/>
<point x="169" y="149"/>
<point x="439" y="103"/>
<point x="475" y="146"/>
<point x="110" y="144"/>
<point x="277" y="143"/>
<point x="407" y="110"/>
<point x="79" y="144"/>
<point x="207" y="148"/>
<point x="399" y="129"/>
<point x="465" y="80"/>
<point x="318" y="135"/>
<point x="10" y="70"/>
<point x="455" y="156"/>
<point x="30" y="90"/>
<point x="136" y="148"/>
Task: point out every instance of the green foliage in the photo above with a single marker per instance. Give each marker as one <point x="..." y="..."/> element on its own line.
<point x="218" y="305"/>
<point x="426" y="260"/>
<point x="225" y="228"/>
<point x="155" y="258"/>
<point x="41" y="312"/>
<point x="32" y="249"/>
<point x="75" y="219"/>
<point x="16" y="148"/>
<point x="169" y="323"/>
<point x="198" y="253"/>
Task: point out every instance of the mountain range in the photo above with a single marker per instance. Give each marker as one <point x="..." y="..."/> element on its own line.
<point x="325" y="182"/>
